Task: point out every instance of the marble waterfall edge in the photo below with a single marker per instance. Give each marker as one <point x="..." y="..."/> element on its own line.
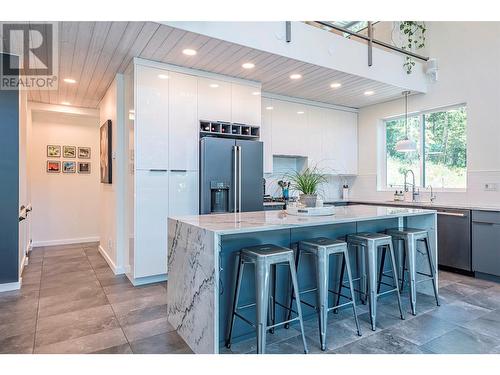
<point x="191" y="288"/>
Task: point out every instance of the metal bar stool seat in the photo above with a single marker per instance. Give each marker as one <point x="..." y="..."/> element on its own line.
<point x="370" y="243"/>
<point x="265" y="258"/>
<point x="321" y="248"/>
<point x="410" y="238"/>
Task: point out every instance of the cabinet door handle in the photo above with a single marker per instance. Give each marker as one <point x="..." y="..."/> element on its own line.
<point x="483" y="223"/>
<point x="178" y="170"/>
<point x="158" y="170"/>
<point x="451" y="214"/>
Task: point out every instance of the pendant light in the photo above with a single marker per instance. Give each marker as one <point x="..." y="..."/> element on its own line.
<point x="406" y="145"/>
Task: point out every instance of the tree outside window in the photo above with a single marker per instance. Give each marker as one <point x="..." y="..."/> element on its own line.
<point x="442" y="137"/>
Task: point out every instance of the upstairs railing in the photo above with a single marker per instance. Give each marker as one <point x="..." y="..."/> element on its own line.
<point x="368" y="38"/>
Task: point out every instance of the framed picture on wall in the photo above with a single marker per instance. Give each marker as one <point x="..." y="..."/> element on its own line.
<point x="53" y="166"/>
<point x="69" y="166"/>
<point x="84" y="167"/>
<point x="69" y="151"/>
<point x="84" y="152"/>
<point x="105" y="152"/>
<point x="53" y="151"/>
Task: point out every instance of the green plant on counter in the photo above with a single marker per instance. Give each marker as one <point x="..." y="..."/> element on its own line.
<point x="413" y="33"/>
<point x="307" y="181"/>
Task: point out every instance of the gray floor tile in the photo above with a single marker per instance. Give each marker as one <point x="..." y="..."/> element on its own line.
<point x="119" y="349"/>
<point x="294" y="345"/>
<point x="462" y="341"/>
<point x="86" y="344"/>
<point x="19" y="344"/>
<point x="459" y="312"/>
<point x="164" y="343"/>
<point x="149" y="328"/>
<point x="488" y="298"/>
<point x="456" y="291"/>
<point x="422" y="329"/>
<point x="338" y="334"/>
<point x="16" y="327"/>
<point x="142" y="315"/>
<point x="488" y="324"/>
<point x="382" y="342"/>
<point x="250" y="345"/>
<point x="123" y="308"/>
<point x="154" y="290"/>
<point x="98" y="299"/>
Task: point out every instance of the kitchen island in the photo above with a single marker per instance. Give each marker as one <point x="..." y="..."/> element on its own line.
<point x="202" y="259"/>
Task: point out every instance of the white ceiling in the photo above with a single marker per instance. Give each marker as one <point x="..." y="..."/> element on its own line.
<point x="93" y="52"/>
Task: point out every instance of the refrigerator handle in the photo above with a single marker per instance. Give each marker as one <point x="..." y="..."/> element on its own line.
<point x="235" y="176"/>
<point x="239" y="178"/>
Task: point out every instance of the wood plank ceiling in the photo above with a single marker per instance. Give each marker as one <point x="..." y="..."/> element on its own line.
<point x="93" y="52"/>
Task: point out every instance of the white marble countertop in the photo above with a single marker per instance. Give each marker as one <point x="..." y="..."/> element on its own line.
<point x="273" y="220"/>
<point x="428" y="205"/>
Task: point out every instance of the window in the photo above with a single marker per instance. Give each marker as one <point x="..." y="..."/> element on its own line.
<point x="441" y="136"/>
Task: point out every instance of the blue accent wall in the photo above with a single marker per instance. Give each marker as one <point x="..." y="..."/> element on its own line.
<point x="9" y="183"/>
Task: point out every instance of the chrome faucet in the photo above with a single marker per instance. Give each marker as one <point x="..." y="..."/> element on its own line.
<point x="414" y="192"/>
<point x="433" y="196"/>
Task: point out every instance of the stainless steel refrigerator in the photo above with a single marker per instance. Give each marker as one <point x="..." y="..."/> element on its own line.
<point x="231" y="172"/>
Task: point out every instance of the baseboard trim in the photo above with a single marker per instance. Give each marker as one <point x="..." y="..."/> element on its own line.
<point x="116" y="270"/>
<point x="7" y="287"/>
<point x="147" y="280"/>
<point x="24" y="262"/>
<point x="68" y="241"/>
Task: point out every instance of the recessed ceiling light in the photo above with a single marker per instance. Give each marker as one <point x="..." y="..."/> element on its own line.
<point x="336" y="85"/>
<point x="270" y="108"/>
<point x="69" y="80"/>
<point x="189" y="52"/>
<point x="300" y="112"/>
<point x="214" y="85"/>
<point x="248" y="65"/>
<point x="295" y="76"/>
<point x="369" y="92"/>
<point x="256" y="93"/>
<point x="163" y="76"/>
<point x="65" y="103"/>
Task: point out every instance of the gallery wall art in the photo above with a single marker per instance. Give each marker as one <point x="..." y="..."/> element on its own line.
<point x="67" y="166"/>
<point x="105" y="152"/>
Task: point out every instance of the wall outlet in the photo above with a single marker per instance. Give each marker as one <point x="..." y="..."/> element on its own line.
<point x="490" y="186"/>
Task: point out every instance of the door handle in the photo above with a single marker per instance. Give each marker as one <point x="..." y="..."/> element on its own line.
<point x="235" y="176"/>
<point x="239" y="178"/>
<point x="451" y="214"/>
<point x="179" y="170"/>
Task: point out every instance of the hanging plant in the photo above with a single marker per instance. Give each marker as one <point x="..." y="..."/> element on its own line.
<point x="413" y="33"/>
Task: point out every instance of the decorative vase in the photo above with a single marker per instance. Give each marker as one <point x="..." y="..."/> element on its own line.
<point x="308" y="200"/>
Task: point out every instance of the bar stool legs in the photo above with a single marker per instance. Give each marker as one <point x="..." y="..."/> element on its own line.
<point x="265" y="258"/>
<point x="297" y="298"/>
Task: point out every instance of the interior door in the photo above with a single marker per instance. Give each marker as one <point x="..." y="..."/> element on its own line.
<point x="252" y="188"/>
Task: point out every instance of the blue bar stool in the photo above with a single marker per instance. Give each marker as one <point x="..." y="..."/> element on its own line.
<point x="321" y="248"/>
<point x="370" y="243"/>
<point x="265" y="258"/>
<point x="410" y="237"/>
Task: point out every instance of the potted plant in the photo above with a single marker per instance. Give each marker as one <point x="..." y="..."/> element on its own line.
<point x="307" y="183"/>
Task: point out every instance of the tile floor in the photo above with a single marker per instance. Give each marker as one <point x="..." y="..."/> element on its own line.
<point x="71" y="302"/>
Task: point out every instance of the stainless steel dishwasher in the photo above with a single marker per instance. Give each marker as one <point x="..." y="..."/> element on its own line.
<point x="454" y="239"/>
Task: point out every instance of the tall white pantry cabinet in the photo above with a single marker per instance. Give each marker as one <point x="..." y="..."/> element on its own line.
<point x="168" y="103"/>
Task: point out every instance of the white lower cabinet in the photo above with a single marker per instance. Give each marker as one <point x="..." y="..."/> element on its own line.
<point x="183" y="193"/>
<point x="151" y="212"/>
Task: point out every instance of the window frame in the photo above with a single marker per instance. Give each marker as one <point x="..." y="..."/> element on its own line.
<point x="382" y="170"/>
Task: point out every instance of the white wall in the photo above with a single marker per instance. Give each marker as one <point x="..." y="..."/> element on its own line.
<point x="467" y="53"/>
<point x="65" y="206"/>
<point x="111" y="195"/>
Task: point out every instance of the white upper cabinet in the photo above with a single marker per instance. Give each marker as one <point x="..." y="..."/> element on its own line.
<point x="214" y="100"/>
<point x="151" y="118"/>
<point x="266" y="136"/>
<point x="183" y="122"/>
<point x="245" y="104"/>
<point x="327" y="137"/>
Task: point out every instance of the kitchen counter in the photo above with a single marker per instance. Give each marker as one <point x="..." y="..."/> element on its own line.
<point x="202" y="254"/>
<point x="427" y="205"/>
